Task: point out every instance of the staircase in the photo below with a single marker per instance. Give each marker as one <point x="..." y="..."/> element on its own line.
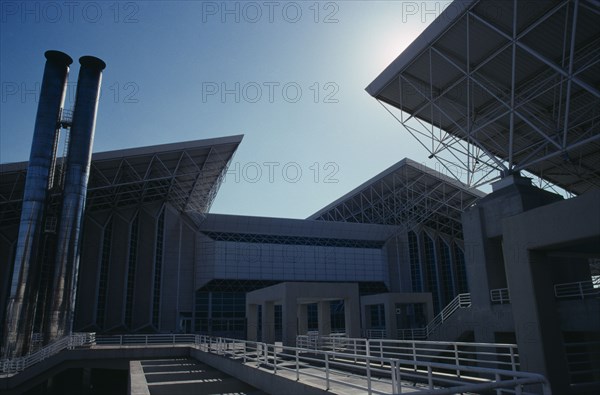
<point x="461" y="301"/>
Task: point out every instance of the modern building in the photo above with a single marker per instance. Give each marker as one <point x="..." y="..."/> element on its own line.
<point x="497" y="90"/>
<point x="194" y="269"/>
<point x="411" y="253"/>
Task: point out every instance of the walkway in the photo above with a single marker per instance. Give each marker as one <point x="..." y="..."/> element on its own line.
<point x="188" y="376"/>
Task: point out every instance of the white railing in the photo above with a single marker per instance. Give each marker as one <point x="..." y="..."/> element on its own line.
<point x="345" y="368"/>
<point x="461" y="301"/>
<point x="488" y="355"/>
<point x="15" y="365"/>
<point x="581" y="289"/>
<point x="500" y="295"/>
<point x="341" y="370"/>
<point x="146" y="340"/>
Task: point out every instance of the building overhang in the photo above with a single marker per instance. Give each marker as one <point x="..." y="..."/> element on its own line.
<point x="187" y="175"/>
<point x="515" y="81"/>
<point x="407" y="194"/>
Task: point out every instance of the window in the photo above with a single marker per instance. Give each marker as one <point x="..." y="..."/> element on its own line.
<point x="133" y="243"/>
<point x="158" y="261"/>
<point x="338" y="322"/>
<point x="461" y="271"/>
<point x="432" y="276"/>
<point x="415" y="265"/>
<point x="377" y="315"/>
<point x="447" y="281"/>
<point x="103" y="275"/>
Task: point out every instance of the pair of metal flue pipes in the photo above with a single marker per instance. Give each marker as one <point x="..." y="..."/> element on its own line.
<point x="44" y="276"/>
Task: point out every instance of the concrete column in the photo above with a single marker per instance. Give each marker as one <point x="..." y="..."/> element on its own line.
<point x="352" y="316"/>
<point x="252" y="322"/>
<point x="324" y="314"/>
<point x="367" y="324"/>
<point x="302" y="319"/>
<point x="268" y="322"/>
<point x="290" y="321"/>
<point x="476" y="257"/>
<point x="539" y="335"/>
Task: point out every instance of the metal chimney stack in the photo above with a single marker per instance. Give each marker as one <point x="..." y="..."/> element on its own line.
<point x="75" y="188"/>
<point x="56" y="311"/>
<point x="23" y="292"/>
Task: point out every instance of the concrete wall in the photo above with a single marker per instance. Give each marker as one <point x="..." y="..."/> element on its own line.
<point x="292" y="296"/>
<point x="528" y="240"/>
<point x="571" y="226"/>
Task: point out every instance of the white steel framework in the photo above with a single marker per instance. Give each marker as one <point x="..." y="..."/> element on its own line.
<point x="187" y="175"/>
<point x="407" y="194"/>
<point x="496" y="87"/>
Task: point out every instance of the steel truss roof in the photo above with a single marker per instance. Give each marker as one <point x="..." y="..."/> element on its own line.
<point x="407" y="194"/>
<point x="188" y="175"/>
<point x="504" y="85"/>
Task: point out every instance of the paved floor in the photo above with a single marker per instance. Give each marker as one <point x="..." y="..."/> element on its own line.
<point x="343" y="383"/>
<point x="188" y="376"/>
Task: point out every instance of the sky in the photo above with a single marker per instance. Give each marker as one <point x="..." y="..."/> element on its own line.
<point x="290" y="76"/>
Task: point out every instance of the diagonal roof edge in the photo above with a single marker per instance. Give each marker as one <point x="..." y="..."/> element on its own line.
<point x="395" y="167"/>
<point x="150" y="149"/>
<point x="435" y="29"/>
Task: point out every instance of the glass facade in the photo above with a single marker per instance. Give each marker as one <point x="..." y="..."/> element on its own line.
<point x="338" y="323"/>
<point x="132" y="262"/>
<point x="312" y="313"/>
<point x="431" y="267"/>
<point x="377" y="316"/>
<point x="220" y="307"/>
<point x="158" y="261"/>
<point x="415" y="264"/>
<point x="447" y="279"/>
<point x="103" y="275"/>
<point x="220" y="313"/>
<point x="436" y="265"/>
<point x="238" y="260"/>
<point x="293" y="240"/>
<point x="410" y="315"/>
<point x="461" y="270"/>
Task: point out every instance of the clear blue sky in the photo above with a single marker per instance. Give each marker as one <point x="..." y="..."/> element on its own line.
<point x="294" y="73"/>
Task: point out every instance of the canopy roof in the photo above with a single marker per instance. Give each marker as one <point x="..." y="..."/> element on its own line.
<point x="186" y="174"/>
<point x="407" y="194"/>
<point x="519" y="81"/>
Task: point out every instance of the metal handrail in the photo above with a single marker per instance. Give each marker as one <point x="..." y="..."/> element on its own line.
<point x="580" y="289"/>
<point x="15" y="365"/>
<point x="500" y="295"/>
<point x="461" y="301"/>
<point x="492" y="355"/>
<point x="333" y="367"/>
